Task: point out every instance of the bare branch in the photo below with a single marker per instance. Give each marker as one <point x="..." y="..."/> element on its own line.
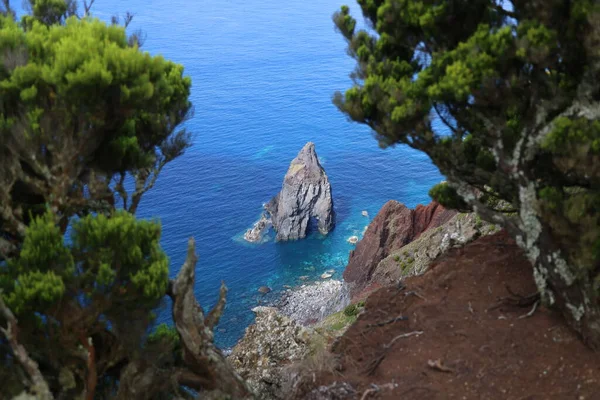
<point x="128" y="18"/>
<point x="205" y="361"/>
<point x="39" y="385"/>
<point x="7" y="9"/>
<point x="389" y="321"/>
<point x="87" y="6"/>
<point x="402" y="336"/>
<point x="215" y="314"/>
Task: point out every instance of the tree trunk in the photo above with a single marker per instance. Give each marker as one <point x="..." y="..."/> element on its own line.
<point x="200" y="355"/>
<point x="567" y="287"/>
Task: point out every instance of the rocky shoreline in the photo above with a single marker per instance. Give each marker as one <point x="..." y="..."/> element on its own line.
<point x="398" y="243"/>
<point x="311" y="303"/>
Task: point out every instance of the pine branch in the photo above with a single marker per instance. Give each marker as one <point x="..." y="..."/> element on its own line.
<point x="39" y="385"/>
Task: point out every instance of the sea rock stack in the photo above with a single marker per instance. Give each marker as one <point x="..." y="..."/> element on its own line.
<point x="305" y="194"/>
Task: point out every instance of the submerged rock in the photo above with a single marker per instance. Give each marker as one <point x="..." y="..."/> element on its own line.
<point x="305" y="194"/>
<point x="264" y="289"/>
<point x="255" y="234"/>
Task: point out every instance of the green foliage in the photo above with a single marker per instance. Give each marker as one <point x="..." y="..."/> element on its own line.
<point x="350" y="310"/>
<point x="570" y="135"/>
<point x="164" y="333"/>
<point x="88" y="69"/>
<point x="49" y="11"/>
<point x="83" y="111"/>
<point x="34" y="290"/>
<point x="81" y="104"/>
<point x="37" y="279"/>
<point x="107" y="278"/>
<point x="122" y="251"/>
<point x="353" y="309"/>
<point x="448" y="197"/>
<point x="108" y="257"/>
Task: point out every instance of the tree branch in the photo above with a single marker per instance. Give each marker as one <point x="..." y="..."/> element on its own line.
<point x="200" y="355"/>
<point x="39" y="385"/>
<point x="87" y="6"/>
<point x="214" y="315"/>
<point x="504" y="11"/>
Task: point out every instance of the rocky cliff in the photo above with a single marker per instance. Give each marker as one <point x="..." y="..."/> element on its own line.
<point x="305" y="195"/>
<point x="265" y="356"/>
<point x="415" y="258"/>
<point x="394" y="226"/>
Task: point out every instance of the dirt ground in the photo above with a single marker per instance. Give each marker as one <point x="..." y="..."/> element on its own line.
<point x="446" y="335"/>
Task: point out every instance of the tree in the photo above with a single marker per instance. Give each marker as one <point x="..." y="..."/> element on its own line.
<point x="87" y="122"/>
<point x="515" y="83"/>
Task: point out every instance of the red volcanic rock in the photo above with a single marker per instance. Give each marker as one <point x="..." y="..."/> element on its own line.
<point x="393" y="227"/>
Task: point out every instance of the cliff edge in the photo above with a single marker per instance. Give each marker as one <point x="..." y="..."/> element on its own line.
<point x="394" y="226"/>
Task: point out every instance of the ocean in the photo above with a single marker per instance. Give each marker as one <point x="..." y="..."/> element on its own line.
<point x="264" y="73"/>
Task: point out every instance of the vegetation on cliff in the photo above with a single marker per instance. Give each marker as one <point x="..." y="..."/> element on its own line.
<point x="516" y="85"/>
<point x="87" y="122"/>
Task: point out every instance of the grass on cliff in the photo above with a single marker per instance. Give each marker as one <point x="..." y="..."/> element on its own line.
<point x="338" y="323"/>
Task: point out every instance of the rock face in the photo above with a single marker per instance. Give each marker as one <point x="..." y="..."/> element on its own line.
<point x="416" y="257"/>
<point x="305" y="194"/>
<point x="273" y="342"/>
<point x="393" y="227"/>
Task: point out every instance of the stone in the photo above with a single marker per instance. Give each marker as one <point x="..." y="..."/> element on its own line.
<point x="264" y="289"/>
<point x="353" y="239"/>
<point x="326" y="275"/>
<point x="335" y="391"/>
<point x="305" y="195"/>
<point x="255" y="234"/>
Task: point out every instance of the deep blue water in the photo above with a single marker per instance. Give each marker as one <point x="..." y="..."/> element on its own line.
<point x="264" y="72"/>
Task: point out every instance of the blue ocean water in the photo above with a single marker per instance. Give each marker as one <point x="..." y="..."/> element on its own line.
<point x="264" y="72"/>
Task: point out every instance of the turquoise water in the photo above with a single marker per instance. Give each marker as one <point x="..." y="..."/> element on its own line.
<point x="264" y="72"/>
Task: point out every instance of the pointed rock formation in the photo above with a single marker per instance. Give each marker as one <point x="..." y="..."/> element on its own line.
<point x="305" y="194"/>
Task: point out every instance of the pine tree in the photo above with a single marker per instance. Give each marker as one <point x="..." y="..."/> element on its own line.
<point x="515" y="84"/>
<point x="87" y="122"/>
